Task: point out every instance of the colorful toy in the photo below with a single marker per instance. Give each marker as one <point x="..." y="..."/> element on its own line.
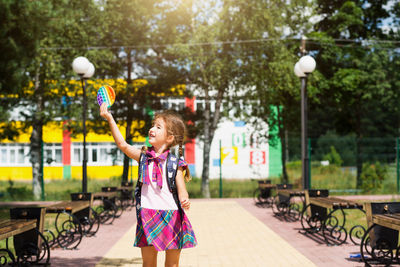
<point x="106" y="94"/>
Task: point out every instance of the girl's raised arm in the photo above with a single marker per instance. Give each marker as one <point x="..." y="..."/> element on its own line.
<point x="129" y="150"/>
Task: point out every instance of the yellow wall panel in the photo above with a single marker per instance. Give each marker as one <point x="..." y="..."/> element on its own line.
<point x="56" y="173"/>
<point x="15" y="173"/>
<point x="101" y="172"/>
<point x="53" y="173"/>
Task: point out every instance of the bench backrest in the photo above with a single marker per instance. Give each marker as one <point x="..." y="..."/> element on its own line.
<point x="267" y="181"/>
<point x="314" y="210"/>
<point x="284" y="186"/>
<point x="31" y="236"/>
<point x="378" y="232"/>
<point x="109" y="189"/>
<point x="85" y="197"/>
<point x="127" y="184"/>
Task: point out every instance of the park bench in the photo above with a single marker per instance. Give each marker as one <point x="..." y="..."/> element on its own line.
<point x="127" y="198"/>
<point x="380" y="243"/>
<point x="287" y="207"/>
<point x="325" y="215"/>
<point x="25" y="227"/>
<point x="87" y="217"/>
<point x="263" y="193"/>
<point x="283" y="206"/>
<point x="108" y="209"/>
<point x="67" y="224"/>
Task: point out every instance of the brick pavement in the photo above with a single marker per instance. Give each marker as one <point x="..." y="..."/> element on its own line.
<point x="230" y="232"/>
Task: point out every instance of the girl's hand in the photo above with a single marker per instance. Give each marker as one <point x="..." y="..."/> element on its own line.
<point x="185" y="203"/>
<point x="104" y="112"/>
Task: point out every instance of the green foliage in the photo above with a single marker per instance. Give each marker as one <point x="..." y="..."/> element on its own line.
<point x="373" y="176"/>
<point x="333" y="157"/>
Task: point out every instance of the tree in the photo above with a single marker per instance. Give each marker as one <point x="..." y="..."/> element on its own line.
<point x="353" y="73"/>
<point x="44" y="29"/>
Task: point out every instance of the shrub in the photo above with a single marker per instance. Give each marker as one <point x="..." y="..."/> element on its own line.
<point x="333" y="157"/>
<point x="372" y="176"/>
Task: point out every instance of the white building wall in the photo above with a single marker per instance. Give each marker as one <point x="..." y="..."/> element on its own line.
<point x="243" y="156"/>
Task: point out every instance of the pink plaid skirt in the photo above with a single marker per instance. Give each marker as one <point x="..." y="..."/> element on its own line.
<point x="164" y="229"/>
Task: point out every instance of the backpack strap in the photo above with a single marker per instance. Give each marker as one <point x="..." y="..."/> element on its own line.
<point x="138" y="189"/>
<point x="172" y="169"/>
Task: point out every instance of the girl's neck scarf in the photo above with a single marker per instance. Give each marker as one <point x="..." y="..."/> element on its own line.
<point x="158" y="162"/>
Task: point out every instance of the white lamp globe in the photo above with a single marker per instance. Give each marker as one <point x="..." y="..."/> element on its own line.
<point x="89" y="73"/>
<point x="297" y="70"/>
<point x="307" y="64"/>
<point x="80" y="65"/>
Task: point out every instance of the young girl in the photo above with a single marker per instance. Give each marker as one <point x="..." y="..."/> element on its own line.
<point x="161" y="221"/>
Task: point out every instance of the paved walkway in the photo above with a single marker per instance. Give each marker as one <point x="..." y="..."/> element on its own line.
<point x="230" y="232"/>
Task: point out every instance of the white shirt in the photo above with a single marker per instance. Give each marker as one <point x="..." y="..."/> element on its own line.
<point x="155" y="198"/>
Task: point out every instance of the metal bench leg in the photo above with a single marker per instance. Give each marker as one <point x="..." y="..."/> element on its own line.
<point x="5" y="255"/>
<point x="69" y="231"/>
<point x="379" y="253"/>
<point x="31" y="254"/>
<point x="333" y="229"/>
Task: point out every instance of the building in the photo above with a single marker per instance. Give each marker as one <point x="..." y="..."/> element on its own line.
<point x="243" y="155"/>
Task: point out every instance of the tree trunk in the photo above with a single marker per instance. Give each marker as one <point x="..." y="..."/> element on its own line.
<point x="36" y="145"/>
<point x="282" y="138"/>
<point x="36" y="159"/>
<point x="128" y="136"/>
<point x="359" y="162"/>
<point x="205" y="181"/>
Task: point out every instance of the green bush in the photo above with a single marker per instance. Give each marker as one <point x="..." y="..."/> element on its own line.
<point x="333" y="157"/>
<point x="372" y="176"/>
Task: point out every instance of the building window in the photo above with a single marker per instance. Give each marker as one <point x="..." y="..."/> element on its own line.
<point x="77" y="155"/>
<point x="3" y="155"/>
<point x="14" y="154"/>
<point x="94" y="154"/>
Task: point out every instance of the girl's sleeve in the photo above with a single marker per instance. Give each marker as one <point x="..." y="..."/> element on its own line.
<point x="182" y="163"/>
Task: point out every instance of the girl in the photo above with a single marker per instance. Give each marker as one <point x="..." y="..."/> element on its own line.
<point x="161" y="221"/>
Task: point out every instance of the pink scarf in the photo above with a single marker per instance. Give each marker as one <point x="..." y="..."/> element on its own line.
<point x="158" y="162"/>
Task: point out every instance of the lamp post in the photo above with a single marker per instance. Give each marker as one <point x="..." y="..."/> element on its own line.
<point x="302" y="69"/>
<point x="85" y="69"/>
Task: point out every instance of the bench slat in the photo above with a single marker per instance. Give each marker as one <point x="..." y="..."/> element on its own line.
<point x="334" y="202"/>
<point x="70" y="206"/>
<point x="387" y="220"/>
<point x="10" y="228"/>
<point x="105" y="195"/>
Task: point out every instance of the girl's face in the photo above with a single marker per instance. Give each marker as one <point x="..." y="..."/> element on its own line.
<point x="158" y="135"/>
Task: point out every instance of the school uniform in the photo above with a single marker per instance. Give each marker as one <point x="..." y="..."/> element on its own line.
<point x="161" y="221"/>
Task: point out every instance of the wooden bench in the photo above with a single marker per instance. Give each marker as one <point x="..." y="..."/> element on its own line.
<point x="68" y="226"/>
<point x="263" y="193"/>
<point x="87" y="217"/>
<point x="108" y="210"/>
<point x="325" y="215"/>
<point x="284" y="206"/>
<point x="380" y="242"/>
<point x="127" y="199"/>
<point x="10" y="228"/>
<point x="25" y="226"/>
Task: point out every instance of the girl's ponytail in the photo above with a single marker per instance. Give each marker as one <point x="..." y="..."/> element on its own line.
<point x="186" y="175"/>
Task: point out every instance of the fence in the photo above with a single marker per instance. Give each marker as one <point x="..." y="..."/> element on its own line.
<point x="348" y="163"/>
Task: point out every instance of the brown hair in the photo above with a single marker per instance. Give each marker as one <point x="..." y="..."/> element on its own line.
<point x="177" y="128"/>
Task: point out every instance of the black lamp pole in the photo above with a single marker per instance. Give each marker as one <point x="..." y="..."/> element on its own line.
<point x="84" y="163"/>
<point x="305" y="172"/>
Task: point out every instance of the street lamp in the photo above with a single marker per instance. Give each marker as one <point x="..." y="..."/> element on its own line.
<point x="302" y="69"/>
<point x="85" y="69"/>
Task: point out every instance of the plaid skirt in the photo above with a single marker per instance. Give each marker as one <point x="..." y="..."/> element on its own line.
<point x="164" y="229"/>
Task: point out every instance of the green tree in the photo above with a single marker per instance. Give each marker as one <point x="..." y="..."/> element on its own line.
<point x="45" y="29"/>
<point x="354" y="76"/>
